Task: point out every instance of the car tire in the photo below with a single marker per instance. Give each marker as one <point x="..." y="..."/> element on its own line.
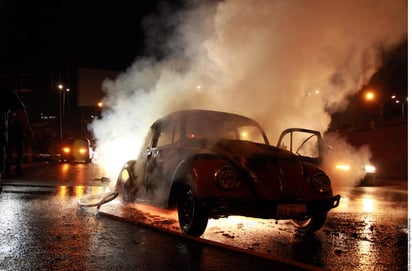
<point x="193" y="217"/>
<point x="310" y="224"/>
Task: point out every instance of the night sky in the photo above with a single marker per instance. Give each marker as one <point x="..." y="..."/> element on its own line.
<point x="43" y="42"/>
<point x="96" y="34"/>
<point x="48" y="35"/>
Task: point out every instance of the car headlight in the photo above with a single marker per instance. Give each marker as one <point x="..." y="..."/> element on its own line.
<point x="370" y="169"/>
<point x="227" y="178"/>
<point x="321" y="183"/>
<point x="342" y="167"/>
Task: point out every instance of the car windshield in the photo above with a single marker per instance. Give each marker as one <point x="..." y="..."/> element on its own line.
<point x="233" y="128"/>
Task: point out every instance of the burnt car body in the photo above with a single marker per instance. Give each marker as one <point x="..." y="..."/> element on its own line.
<point x="76" y="150"/>
<point x="213" y="164"/>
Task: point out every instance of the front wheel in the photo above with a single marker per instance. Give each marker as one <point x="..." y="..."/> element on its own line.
<point x="193" y="217"/>
<point x="310" y="224"/>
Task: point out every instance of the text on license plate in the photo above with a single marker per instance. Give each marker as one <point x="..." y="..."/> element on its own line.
<point x="290" y="210"/>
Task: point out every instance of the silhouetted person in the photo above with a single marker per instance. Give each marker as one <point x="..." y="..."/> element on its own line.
<point x="14" y="145"/>
<point x="9" y="101"/>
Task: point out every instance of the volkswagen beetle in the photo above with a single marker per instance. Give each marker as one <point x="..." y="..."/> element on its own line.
<point x="211" y="164"/>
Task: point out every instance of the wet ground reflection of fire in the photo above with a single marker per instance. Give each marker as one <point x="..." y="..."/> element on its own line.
<point x="363" y="232"/>
<point x="243" y="229"/>
<point x="80" y="190"/>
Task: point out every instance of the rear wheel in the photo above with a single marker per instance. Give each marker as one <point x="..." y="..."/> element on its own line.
<point x="310" y="224"/>
<point x="192" y="215"/>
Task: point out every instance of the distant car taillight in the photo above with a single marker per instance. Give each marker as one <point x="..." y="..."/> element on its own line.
<point x="226" y="178"/>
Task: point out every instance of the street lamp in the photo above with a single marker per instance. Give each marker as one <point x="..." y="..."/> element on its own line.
<point x="371" y="97"/>
<point x="60" y="87"/>
<point x="399" y="101"/>
<point x="62" y="106"/>
<point x="64" y="99"/>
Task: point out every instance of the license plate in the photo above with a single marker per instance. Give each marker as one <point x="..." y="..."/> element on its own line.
<point x="290" y="210"/>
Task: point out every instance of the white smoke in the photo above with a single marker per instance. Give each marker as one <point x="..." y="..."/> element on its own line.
<point x="285" y="63"/>
<point x="344" y="163"/>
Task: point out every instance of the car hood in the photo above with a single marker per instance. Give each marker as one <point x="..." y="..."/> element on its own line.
<point x="267" y="166"/>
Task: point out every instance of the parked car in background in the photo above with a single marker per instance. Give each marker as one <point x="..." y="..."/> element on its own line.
<point x="212" y="164"/>
<point x="76" y="150"/>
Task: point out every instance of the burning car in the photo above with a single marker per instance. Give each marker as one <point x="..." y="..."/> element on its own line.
<point x="213" y="164"/>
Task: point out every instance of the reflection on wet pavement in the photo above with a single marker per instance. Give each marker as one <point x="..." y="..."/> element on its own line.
<point x="63" y="192"/>
<point x="366" y="230"/>
<point x="50" y="232"/>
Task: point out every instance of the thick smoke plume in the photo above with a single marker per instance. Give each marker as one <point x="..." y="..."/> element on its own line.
<point x="285" y="63"/>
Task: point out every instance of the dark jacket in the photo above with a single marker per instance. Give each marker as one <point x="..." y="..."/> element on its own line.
<point x="9" y="101"/>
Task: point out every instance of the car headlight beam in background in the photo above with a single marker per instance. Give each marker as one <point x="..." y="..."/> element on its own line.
<point x="346" y="167"/>
<point x="370" y="169"/>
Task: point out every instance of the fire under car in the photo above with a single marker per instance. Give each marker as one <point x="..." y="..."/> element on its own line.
<point x="211" y="164"/>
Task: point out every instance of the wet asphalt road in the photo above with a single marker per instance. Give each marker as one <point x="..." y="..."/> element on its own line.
<point x="42" y="228"/>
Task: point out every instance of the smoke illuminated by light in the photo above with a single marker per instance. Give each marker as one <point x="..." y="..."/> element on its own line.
<point x="255" y="58"/>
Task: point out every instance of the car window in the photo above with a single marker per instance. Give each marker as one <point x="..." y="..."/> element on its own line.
<point x="301" y="143"/>
<point x="218" y="129"/>
<point x="308" y="146"/>
<point x="250" y="133"/>
<point x="166" y="136"/>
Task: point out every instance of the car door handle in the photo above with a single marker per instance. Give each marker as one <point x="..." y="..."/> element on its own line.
<point x="152" y="153"/>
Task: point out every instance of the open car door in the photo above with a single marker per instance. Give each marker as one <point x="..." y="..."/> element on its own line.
<point x="305" y="143"/>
